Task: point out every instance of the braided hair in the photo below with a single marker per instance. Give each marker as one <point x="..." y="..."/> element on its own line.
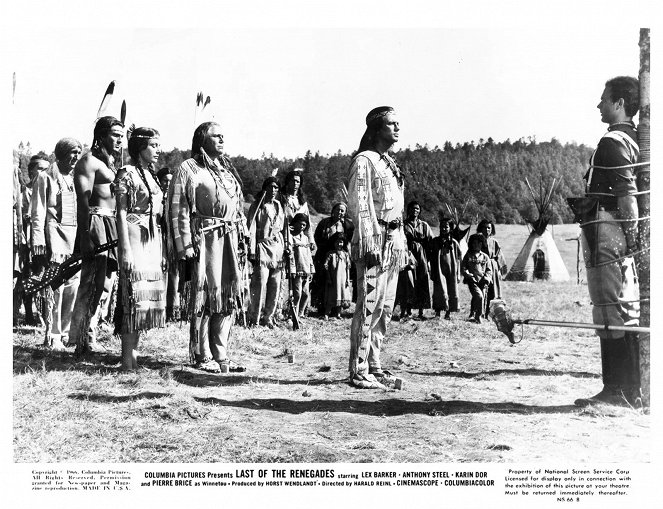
<point x="140" y="137"/>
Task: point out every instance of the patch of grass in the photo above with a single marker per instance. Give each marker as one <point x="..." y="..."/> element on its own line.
<point x="490" y="394"/>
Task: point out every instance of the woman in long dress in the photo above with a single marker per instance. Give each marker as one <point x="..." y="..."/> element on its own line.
<point x="142" y="291"/>
<point x="324" y="234"/>
<point x="419" y="235"/>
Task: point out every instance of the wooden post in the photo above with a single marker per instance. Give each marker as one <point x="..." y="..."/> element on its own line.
<point x="643" y="182"/>
<point x="577" y="241"/>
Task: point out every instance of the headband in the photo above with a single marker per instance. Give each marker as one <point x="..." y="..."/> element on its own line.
<point x="372" y="117"/>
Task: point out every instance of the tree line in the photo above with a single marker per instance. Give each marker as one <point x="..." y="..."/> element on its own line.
<point x="485" y="179"/>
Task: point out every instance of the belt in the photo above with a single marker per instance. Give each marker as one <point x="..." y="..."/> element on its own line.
<point x="141" y="218"/>
<point x="102" y="211"/>
<point x="267" y="239"/>
<point x="391" y="225"/>
<point x="209" y="223"/>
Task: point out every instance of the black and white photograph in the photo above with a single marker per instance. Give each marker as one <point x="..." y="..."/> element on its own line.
<point x="302" y="254"/>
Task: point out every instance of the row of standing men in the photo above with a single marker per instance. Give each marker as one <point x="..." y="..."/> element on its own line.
<point x="194" y="229"/>
<point x="133" y="206"/>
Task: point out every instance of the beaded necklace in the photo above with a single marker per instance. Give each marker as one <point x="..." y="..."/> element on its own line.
<point x="394" y="169"/>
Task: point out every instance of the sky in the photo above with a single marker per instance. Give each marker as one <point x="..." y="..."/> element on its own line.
<point x="286" y="87"/>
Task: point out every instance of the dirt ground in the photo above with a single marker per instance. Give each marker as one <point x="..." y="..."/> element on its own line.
<point x="468" y="396"/>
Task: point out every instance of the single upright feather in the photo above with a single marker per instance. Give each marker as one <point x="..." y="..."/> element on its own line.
<point x="106" y="99"/>
<point x="207" y="101"/>
<point x="123" y="112"/>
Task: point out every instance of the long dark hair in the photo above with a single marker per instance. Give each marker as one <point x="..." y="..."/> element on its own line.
<point x="138" y="141"/>
<point x="374" y="122"/>
<point x="199" y="138"/>
<point x="140" y="137"/>
<point x="197" y="143"/>
<point x="103" y="126"/>
<point x="296" y="172"/>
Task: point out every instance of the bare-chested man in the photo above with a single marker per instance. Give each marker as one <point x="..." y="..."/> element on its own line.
<point x="93" y="176"/>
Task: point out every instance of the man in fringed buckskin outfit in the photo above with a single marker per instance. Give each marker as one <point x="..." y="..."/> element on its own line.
<point x="207" y="224"/>
<point x="375" y="205"/>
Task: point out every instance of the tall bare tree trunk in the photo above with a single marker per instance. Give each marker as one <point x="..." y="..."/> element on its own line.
<point x="642" y="175"/>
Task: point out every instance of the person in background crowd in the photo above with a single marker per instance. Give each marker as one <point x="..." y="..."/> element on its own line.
<point x="375" y="205"/>
<point x="301" y="263"/>
<point x="477" y="273"/>
<point x="54" y="228"/>
<point x="292" y="195"/>
<point x="405" y="287"/>
<point x="207" y="224"/>
<point x="93" y="176"/>
<point x="338" y="222"/>
<point x="337" y="292"/>
<point x="293" y="200"/>
<point x="164" y="176"/>
<point x="445" y="259"/>
<point x="37" y="165"/>
<point x="266" y="254"/>
<point x="609" y="241"/>
<point x="141" y="301"/>
<point x="419" y="235"/>
<point x="18" y="238"/>
<point x="173" y="311"/>
<point x="498" y="266"/>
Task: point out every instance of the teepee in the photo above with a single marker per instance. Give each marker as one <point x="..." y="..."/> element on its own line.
<point x="539" y="258"/>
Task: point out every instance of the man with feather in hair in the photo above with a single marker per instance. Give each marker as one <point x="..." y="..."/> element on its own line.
<point x="93" y="175"/>
<point x="207" y="225"/>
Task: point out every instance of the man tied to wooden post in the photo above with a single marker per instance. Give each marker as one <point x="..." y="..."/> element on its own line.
<point x="609" y="240"/>
<point x="375" y="205"/>
<point x="93" y="176"/>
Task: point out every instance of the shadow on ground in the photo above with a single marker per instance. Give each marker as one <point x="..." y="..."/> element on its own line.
<point x="28" y="359"/>
<point x="106" y="398"/>
<point x="195" y="378"/>
<point x="514" y="372"/>
<point x="388" y="407"/>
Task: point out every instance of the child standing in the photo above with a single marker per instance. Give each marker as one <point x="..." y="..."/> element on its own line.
<point x="405" y="291"/>
<point x="301" y="263"/>
<point x="445" y="257"/>
<point x="476" y="269"/>
<point x="338" y="292"/>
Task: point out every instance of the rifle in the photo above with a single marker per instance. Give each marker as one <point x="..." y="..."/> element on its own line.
<point x="55" y="275"/>
<point x="286" y="239"/>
